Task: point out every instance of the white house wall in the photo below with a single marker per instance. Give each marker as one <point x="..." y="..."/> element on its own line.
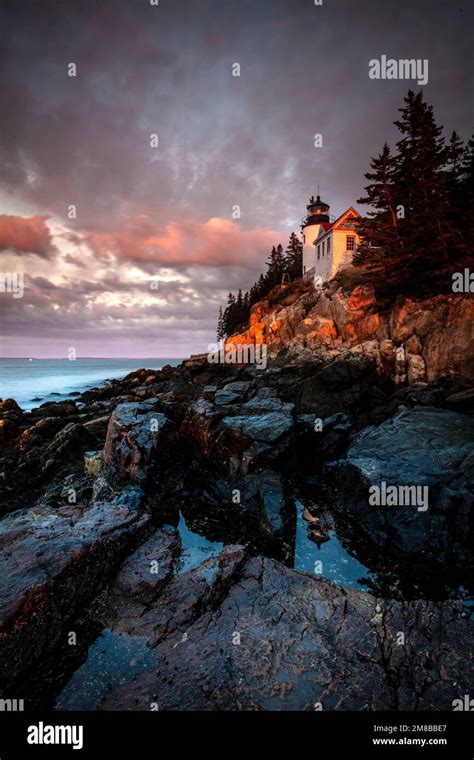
<point x="338" y="258"/>
<point x="310" y="234"/>
<point x="341" y="257"/>
<point x="324" y="263"/>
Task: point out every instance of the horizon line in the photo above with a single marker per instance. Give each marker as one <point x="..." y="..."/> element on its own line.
<point x="83" y="358"/>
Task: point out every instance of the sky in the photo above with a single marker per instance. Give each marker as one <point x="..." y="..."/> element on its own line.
<point x="141" y="264"/>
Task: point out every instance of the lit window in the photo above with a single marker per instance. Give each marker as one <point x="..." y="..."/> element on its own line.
<point x="350" y="243"/>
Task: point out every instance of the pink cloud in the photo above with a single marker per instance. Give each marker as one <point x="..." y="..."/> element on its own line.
<point x="217" y="242"/>
<point x="21" y="234"/>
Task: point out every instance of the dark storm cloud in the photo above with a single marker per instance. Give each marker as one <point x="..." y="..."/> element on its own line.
<point x="223" y="140"/>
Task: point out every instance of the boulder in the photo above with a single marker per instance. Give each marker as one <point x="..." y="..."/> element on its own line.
<point x="9" y="405"/>
<point x="52" y="562"/>
<point x="232" y="393"/>
<point x="224" y="397"/>
<point x="137" y="437"/>
<point x="462" y="401"/>
<point x="38" y="459"/>
<point x="266" y="428"/>
<point x="98" y="426"/>
<point x="209" y="391"/>
<point x="147" y="570"/>
<point x="199" y="425"/>
<point x="266" y="400"/>
<point x="8" y="430"/>
<point x="416" y="369"/>
<point x="56" y="409"/>
<point x="418" y="447"/>
<point x="240" y="387"/>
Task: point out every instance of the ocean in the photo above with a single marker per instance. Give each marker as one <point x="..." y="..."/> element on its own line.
<point x="32" y="382"/>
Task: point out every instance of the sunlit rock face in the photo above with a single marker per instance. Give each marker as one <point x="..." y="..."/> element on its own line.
<point x="414" y="341"/>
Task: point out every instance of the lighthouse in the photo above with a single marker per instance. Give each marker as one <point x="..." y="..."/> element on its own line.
<point x="317" y="214"/>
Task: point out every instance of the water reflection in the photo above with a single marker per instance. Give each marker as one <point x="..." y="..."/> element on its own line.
<point x="113" y="660"/>
<point x="195" y="547"/>
<point x="326" y="557"/>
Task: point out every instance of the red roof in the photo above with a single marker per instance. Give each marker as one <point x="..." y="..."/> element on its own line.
<point x="326" y="226"/>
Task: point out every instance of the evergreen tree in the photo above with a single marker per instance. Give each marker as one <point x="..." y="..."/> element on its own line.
<point x="237" y="313"/>
<point x="270" y="274"/>
<point x="254" y="294"/>
<point x="421" y="183"/>
<point x="261" y="285"/>
<point x="229" y="316"/>
<point x="414" y="233"/>
<point x="279" y="263"/>
<point x="380" y="228"/>
<point x="454" y="163"/>
<point x="241" y="314"/>
<point x="275" y="267"/>
<point x="220" y="325"/>
<point x="454" y="184"/>
<point x="294" y="257"/>
<point x="466" y="194"/>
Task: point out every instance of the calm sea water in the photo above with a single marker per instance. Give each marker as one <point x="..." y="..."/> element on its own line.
<point x="33" y="382"/>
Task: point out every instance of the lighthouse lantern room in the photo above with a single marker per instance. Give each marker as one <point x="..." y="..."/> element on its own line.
<point x="317" y="215"/>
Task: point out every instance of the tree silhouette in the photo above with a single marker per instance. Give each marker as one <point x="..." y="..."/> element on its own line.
<point x="237" y="312"/>
<point x="294" y="257"/>
<point x="417" y="231"/>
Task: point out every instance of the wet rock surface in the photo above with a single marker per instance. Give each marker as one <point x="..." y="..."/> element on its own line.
<point x="430" y="451"/>
<point x="51" y="563"/>
<point x="259" y="636"/>
<point x="136" y="437"/>
<point x="93" y="492"/>
<point x="147" y="571"/>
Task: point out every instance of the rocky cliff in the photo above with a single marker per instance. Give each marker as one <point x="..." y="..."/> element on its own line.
<point x="412" y="341"/>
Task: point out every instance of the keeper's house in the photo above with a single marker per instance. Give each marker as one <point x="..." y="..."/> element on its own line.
<point x="328" y="243"/>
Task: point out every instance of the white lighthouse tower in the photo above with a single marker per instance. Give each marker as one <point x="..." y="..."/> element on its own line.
<point x="317" y="214"/>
